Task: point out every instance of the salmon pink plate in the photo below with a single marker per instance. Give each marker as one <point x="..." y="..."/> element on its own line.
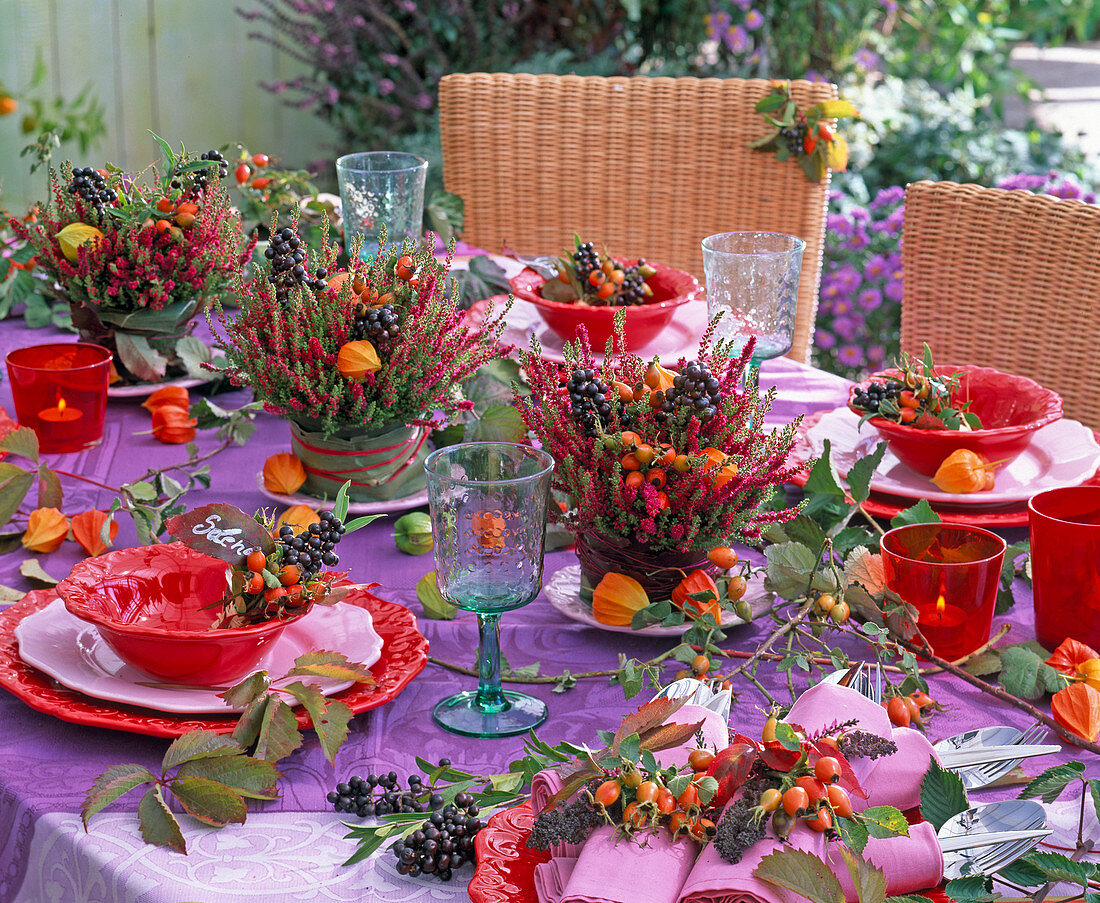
<point x="1064" y="453"/>
<point x="73" y="653"/>
<point x="403" y="656"/>
<point x="505" y="870"/>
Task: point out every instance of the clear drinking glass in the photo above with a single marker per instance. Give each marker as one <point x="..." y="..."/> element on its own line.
<point x="488" y="502"/>
<point x="381" y="189"/>
<point x="753" y="278"/>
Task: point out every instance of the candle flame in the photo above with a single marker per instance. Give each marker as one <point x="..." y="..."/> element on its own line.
<point x="941" y="604"/>
<point x="60" y="403"/>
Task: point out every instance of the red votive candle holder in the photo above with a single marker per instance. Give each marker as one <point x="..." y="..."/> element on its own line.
<point x="950" y="573"/>
<point x="1065" y="564"/>
<point x="60" y="392"/>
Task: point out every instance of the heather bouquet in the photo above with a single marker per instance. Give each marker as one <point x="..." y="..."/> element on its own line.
<point x="362" y="362"/>
<point x="137" y="261"/>
<point x="663" y="465"/>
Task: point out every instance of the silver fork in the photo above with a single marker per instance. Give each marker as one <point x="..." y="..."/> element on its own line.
<point x="1012" y="815"/>
<point x="982" y="775"/>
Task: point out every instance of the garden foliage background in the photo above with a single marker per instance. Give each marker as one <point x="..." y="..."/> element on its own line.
<point x="306" y="80"/>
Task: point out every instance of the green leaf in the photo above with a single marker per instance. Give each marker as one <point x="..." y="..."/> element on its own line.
<point x="787" y="738"/>
<point x="805" y="530"/>
<point x="279" y="734"/>
<point x="193" y="352"/>
<point x="988" y="662"/>
<point x="141" y="490"/>
<point x="770" y="103"/>
<point x="152" y="322"/>
<point x="885" y="821"/>
<point x="210" y="802"/>
<point x="869" y="882"/>
<point x="358" y="523"/>
<point x="15" y="483"/>
<point x="431" y="599"/>
<point x="1094" y="791"/>
<point x="1049" y="785"/>
<point x="629" y="748"/>
<point x="248" y="726"/>
<point x="1025" y="674"/>
<point x="329" y="664"/>
<point x="942" y="795"/>
<point x="330" y="718"/>
<point x="139" y="357"/>
<point x="823" y="477"/>
<point x="247" y="776"/>
<point x="21" y="441"/>
<point x="1061" y="868"/>
<point x="116" y="781"/>
<point x="446" y="214"/>
<point x="158" y="825"/>
<point x="499" y="424"/>
<point x="972" y="889"/>
<point x="1022" y="872"/>
<point x="341" y="507"/>
<point x="860" y="473"/>
<point x="801" y="873"/>
<point x="199" y="745"/>
<point x="247" y="691"/>
<point x="50" y="493"/>
<point x="852" y="834"/>
<point x="789" y="563"/>
<point x="920" y="513"/>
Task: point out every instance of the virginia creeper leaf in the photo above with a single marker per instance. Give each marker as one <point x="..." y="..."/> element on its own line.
<point x="279" y="735"/>
<point x="208" y="801"/>
<point x="199" y="745"/>
<point x="330" y="718"/>
<point x="329" y="664"/>
<point x="247" y="691"/>
<point x="245" y="775"/>
<point x="109" y="786"/>
<point x="158" y="825"/>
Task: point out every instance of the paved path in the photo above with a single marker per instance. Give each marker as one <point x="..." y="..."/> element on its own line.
<point x="1069" y="78"/>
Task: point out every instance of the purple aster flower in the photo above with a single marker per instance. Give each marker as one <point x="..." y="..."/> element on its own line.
<point x="736" y="39"/>
<point x="859" y="241"/>
<point x="850" y="355"/>
<point x="879" y="266"/>
<point x="743" y="5"/>
<point x="389" y="59"/>
<point x="812" y="75"/>
<point x="888" y="196"/>
<point x="838" y="223"/>
<point x="876" y="354"/>
<point x="753" y="19"/>
<point x="845" y="328"/>
<point x="894" y="290"/>
<point x="891" y="6"/>
<point x="717" y="23"/>
<point x="859" y="214"/>
<point x="841" y="306"/>
<point x="867" y="59"/>
<point x="1089" y="198"/>
<point x="869" y="299"/>
<point x="824" y="339"/>
<point x="1023" y="180"/>
<point x="332" y="96"/>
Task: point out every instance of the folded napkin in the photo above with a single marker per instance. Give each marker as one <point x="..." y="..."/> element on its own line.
<point x="617" y="870"/>
<point x="909" y="863"/>
<point x="715" y="730"/>
<point x="889" y="781"/>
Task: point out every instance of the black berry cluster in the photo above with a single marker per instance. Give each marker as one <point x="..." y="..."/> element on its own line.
<point x="443" y="843"/>
<point x="567" y="823"/>
<point x="288" y="257"/>
<point x="870" y="398"/>
<point x="794" y="136"/>
<point x="312" y="549"/>
<point x="693" y="389"/>
<point x="589" y="400"/>
<point x="632" y="290"/>
<point x="92" y="188"/>
<point x="585" y="260"/>
<point x="200" y="179"/>
<point x="378" y="325"/>
<point x="380" y="795"/>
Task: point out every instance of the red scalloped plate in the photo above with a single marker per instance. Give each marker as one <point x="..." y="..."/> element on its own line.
<point x="505" y="870"/>
<point x="404" y="655"/>
<point x="889" y="506"/>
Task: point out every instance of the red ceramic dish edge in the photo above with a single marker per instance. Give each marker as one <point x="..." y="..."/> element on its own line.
<point x="404" y="655"/>
<point x="506" y="866"/>
<point x="526" y="283"/>
<point x="1052" y="410"/>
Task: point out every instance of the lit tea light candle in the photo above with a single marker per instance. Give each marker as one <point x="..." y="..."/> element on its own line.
<point x="62" y="413"/>
<point x="942" y="625"/>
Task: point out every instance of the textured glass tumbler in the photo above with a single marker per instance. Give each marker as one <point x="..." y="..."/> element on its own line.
<point x="752" y="277"/>
<point x="381" y="189"/>
<point x="488" y="503"/>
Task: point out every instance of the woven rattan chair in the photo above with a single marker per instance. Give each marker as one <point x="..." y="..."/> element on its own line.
<point x="647" y="166"/>
<point x="1005" y="279"/>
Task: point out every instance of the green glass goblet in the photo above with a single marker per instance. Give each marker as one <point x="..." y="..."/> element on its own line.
<point x="488" y="502"/>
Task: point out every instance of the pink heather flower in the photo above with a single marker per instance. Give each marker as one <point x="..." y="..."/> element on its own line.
<point x="385" y="86"/>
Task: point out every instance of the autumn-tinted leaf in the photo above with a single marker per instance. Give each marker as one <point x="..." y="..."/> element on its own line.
<point x="246" y="775"/>
<point x="158" y="825"/>
<point x="248" y="690"/>
<point x="666" y="736"/>
<point x="22" y="441"/>
<point x="15" y="483"/>
<point x="109" y="786"/>
<point x="885" y="821"/>
<point x="210" y="802"/>
<point x="50" y="493"/>
<point x="222" y="531"/>
<point x="330" y="664"/>
<point x="869" y="882"/>
<point x="248" y="726"/>
<point x="279" y="735"/>
<point x="199" y="745"/>
<point x="329" y="718"/>
<point x="34" y="574"/>
<point x="648" y="716"/>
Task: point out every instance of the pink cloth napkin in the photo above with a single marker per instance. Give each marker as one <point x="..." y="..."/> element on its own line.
<point x="889" y="781"/>
<point x="909" y="863"/>
<point x="715" y="729"/>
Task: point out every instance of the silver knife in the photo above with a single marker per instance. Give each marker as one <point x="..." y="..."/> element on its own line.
<point x="974" y="841"/>
<point x="965" y="758"/>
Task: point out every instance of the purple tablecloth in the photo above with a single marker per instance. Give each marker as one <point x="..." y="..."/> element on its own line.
<point x="46" y="765"/>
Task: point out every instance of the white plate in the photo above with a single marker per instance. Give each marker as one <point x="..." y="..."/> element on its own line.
<point x="310" y="501"/>
<point x="72" y="652"/>
<point x="1064" y="453"/>
<point x="564" y="593"/>
<point x="141" y="390"/>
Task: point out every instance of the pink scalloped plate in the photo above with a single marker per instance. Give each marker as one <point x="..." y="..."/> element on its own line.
<point x="404" y="655"/>
<point x="888" y="506"/>
<point x="505" y="870"/>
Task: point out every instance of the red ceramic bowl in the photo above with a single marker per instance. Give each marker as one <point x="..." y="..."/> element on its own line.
<point x="148" y="605"/>
<point x="671" y="289"/>
<point x="1011" y="408"/>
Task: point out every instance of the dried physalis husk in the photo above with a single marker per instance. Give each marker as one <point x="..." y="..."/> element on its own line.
<point x="283" y="474"/>
<point x="46" y="530"/>
<point x="1077" y="709"/>
<point x="168" y="396"/>
<point x="357" y="359"/>
<point x="298" y="517"/>
<point x="964" y="471"/>
<point x="88" y="531"/>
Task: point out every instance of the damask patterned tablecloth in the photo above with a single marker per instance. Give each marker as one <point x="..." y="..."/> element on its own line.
<point x="291" y="849"/>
